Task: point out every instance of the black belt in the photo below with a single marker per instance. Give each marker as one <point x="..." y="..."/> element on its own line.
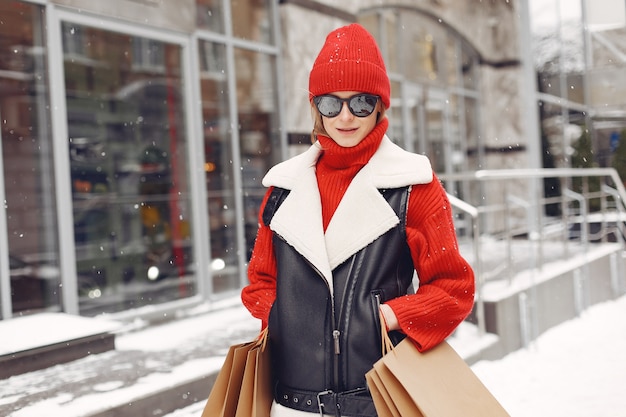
<point x="357" y="402"/>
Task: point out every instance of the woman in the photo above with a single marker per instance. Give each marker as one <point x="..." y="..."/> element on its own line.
<point x="343" y="229"/>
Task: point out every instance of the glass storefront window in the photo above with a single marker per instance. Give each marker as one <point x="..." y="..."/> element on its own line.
<point x="558" y="39"/>
<point x="258" y="145"/>
<point x="432" y="112"/>
<point x="394" y="60"/>
<point x="435" y="123"/>
<point x="251" y="20"/>
<point x="468" y="64"/>
<point x="546" y="38"/>
<point x="28" y="175"/>
<point x="209" y="15"/>
<point x="461" y="64"/>
<point x="471" y="133"/>
<point x="452" y="60"/>
<point x="128" y="149"/>
<point x="552" y="123"/>
<point x="455" y="131"/>
<point x="394" y="114"/>
<point x="258" y="131"/>
<point x="423" y="63"/>
<point x="219" y="170"/>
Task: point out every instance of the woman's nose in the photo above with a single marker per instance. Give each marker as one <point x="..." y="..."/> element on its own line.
<point x="345" y="111"/>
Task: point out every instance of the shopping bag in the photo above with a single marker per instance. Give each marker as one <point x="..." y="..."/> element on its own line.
<point x="255" y="399"/>
<point x="225" y="394"/>
<point x="384" y="403"/>
<point x="437" y="383"/>
<point x="385" y="406"/>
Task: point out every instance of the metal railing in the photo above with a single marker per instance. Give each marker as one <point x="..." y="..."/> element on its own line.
<point x="588" y="206"/>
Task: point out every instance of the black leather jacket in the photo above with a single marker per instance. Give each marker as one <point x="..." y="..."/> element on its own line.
<point x="323" y="338"/>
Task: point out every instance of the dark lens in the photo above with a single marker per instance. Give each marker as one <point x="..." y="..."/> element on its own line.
<point x="328" y="106"/>
<point x="362" y="105"/>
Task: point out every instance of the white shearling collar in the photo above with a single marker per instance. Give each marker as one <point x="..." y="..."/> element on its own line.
<point x="362" y="215"/>
<point x="390" y="167"/>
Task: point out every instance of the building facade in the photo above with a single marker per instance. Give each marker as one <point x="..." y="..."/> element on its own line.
<point x="135" y="133"/>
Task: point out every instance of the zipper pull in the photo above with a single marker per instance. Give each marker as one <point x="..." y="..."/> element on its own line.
<point x="336" y="334"/>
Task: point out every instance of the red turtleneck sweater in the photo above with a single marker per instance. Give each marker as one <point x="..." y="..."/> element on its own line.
<point x="337" y="166"/>
<point x="446" y="281"/>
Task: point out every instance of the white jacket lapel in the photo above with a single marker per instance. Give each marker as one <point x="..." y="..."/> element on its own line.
<point x="362" y="215"/>
<point x="298" y="220"/>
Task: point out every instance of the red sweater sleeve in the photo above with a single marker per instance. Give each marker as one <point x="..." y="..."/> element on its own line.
<point x="259" y="295"/>
<point x="446" y="281"/>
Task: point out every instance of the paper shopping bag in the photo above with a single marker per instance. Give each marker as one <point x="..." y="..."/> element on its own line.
<point x="255" y="399"/>
<point x="385" y="407"/>
<point x="437" y="383"/>
<point x="224" y="395"/>
<point x="390" y="397"/>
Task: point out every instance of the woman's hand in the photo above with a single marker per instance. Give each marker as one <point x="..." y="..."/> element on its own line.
<point x="391" y="321"/>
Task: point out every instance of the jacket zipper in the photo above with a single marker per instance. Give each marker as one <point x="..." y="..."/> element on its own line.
<point x="336" y="333"/>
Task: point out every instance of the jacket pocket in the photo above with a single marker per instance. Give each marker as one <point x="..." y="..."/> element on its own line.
<point x="377" y="298"/>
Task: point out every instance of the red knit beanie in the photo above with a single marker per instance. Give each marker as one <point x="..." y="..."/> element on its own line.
<point x="350" y="61"/>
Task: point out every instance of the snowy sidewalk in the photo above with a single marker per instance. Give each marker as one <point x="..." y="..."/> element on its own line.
<point x="171" y="364"/>
<point x="576" y="369"/>
<point x="152" y="371"/>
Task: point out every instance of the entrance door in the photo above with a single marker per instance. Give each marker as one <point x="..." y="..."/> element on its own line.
<point x="432" y="127"/>
<point x="30" y="260"/>
<point x="426" y="125"/>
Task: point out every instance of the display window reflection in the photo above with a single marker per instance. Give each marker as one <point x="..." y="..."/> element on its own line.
<point x="127" y="149"/>
<point x="258" y="131"/>
<point x="210" y="15"/>
<point x="558" y="38"/>
<point x="26" y="143"/>
<point x="233" y="179"/>
<point x="470" y="109"/>
<point x="431" y="112"/>
<point x="219" y="167"/>
<point x="251" y="20"/>
<point x="426" y="43"/>
<point x="394" y="114"/>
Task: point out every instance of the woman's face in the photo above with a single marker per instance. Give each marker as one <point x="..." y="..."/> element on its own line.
<point x="346" y="129"/>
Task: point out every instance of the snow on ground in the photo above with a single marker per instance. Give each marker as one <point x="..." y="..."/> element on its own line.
<point x="577" y="369"/>
<point x="151" y="359"/>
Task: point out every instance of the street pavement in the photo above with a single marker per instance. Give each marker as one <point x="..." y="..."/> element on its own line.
<point x="153" y="371"/>
<point x="162" y="369"/>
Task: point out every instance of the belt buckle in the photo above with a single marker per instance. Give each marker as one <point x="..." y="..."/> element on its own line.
<point x="320" y="403"/>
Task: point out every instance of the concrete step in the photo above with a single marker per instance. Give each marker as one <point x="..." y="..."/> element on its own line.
<point x="43" y="340"/>
<point x="153" y="370"/>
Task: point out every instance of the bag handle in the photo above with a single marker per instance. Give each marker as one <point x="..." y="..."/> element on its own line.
<point x="262" y="338"/>
<point x="386" y="343"/>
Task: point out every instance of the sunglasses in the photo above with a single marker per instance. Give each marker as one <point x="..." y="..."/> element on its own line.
<point x="360" y="105"/>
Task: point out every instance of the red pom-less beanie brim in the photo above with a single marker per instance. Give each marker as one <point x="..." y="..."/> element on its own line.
<point x="350" y="60"/>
